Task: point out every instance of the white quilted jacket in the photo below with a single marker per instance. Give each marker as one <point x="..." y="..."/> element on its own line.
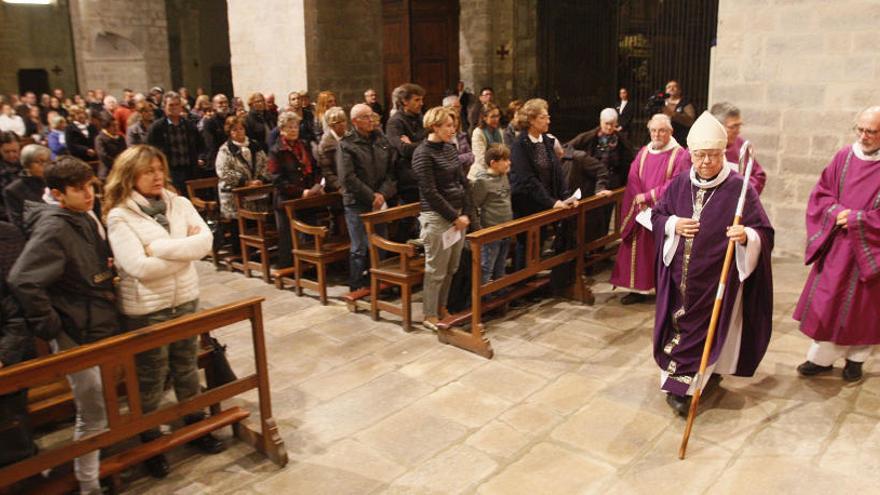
<point x="168" y="278"/>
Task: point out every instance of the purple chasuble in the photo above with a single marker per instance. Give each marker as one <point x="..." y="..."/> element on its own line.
<point x="758" y="179"/>
<point x="840" y="302"/>
<point x="686" y="288"/>
<point x="649" y="174"/>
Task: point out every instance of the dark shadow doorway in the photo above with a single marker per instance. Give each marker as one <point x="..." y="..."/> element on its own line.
<point x="36" y="80"/>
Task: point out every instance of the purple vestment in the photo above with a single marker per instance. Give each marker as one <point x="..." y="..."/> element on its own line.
<point x="649" y="174"/>
<point x="686" y="288"/>
<point x="758" y="178"/>
<point x="840" y="302"/>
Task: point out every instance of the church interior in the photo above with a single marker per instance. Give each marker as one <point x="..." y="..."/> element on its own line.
<point x="344" y="345"/>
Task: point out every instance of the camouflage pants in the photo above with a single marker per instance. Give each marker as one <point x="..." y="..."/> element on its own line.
<point x="153" y="366"/>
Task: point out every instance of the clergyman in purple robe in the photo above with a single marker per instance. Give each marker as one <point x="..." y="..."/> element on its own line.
<point x="731" y="118"/>
<point x="839" y="307"/>
<point x="692" y="225"/>
<point x="654" y="166"/>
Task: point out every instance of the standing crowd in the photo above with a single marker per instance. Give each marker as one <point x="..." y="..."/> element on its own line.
<point x="76" y="270"/>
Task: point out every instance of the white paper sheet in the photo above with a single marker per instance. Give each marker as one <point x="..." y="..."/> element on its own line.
<point x="644" y="219"/>
<point x="450" y="237"/>
<point x="575" y="197"/>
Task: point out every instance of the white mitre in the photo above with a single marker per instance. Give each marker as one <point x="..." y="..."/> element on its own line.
<point x="707" y="134"/>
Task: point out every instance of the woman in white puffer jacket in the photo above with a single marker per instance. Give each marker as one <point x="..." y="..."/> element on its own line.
<point x="156" y="236"/>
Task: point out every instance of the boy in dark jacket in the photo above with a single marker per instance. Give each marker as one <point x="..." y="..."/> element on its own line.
<point x="64" y="285"/>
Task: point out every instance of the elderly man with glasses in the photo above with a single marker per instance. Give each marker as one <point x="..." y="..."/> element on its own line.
<point x="692" y="229"/>
<point x="731" y="118"/>
<point x="838" y="307"/>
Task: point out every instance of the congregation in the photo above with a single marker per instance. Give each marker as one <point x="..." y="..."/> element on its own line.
<point x="99" y="236"/>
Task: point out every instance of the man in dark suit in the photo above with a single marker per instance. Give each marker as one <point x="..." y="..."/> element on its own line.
<point x="80" y="135"/>
<point x="465" y="97"/>
<point x="179" y="139"/>
<point x="626" y="111"/>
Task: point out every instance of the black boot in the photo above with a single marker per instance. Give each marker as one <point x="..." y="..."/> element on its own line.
<point x="852" y="372"/>
<point x="809" y="368"/>
<point x="680" y="404"/>
<point x="157" y="466"/>
<point x="209" y="444"/>
<point x="633" y="298"/>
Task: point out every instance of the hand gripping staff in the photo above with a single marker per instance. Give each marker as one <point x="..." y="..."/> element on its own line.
<point x="719" y="296"/>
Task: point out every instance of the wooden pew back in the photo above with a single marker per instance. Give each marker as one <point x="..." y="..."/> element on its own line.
<point x="115" y="359"/>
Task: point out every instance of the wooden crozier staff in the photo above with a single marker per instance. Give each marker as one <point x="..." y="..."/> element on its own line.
<point x="716" y="308"/>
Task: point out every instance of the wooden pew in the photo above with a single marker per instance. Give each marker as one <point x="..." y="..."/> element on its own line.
<point x="475" y="340"/>
<point x="199" y="192"/>
<point x="115" y="358"/>
<point x="329" y="246"/>
<point x="404" y="268"/>
<point x="256" y="227"/>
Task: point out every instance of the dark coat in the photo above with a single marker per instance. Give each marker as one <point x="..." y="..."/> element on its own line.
<point x="528" y="193"/>
<point x="257" y="126"/>
<point x="62" y="280"/>
<point x="617" y="165"/>
<point x="405" y="124"/>
<point x="213" y="136"/>
<point x="366" y="167"/>
<point x="157" y="136"/>
<point x="25" y="188"/>
<point x="78" y="144"/>
<point x="625" y="118"/>
<point x="16" y="343"/>
<point x="327" y="161"/>
<point x="290" y="176"/>
<point x="108" y="148"/>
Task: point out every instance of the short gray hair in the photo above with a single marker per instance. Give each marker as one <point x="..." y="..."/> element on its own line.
<point x="608" y="115"/>
<point x="334" y="115"/>
<point x="661" y="117"/>
<point x="450" y="100"/>
<point x="724" y="110"/>
<point x="286" y="117"/>
<point x="31" y="152"/>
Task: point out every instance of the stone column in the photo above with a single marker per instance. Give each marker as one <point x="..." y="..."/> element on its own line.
<point x="120" y="44"/>
<point x="267" y="44"/>
<point x="800" y="71"/>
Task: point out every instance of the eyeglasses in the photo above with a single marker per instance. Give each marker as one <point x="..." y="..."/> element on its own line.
<point x="867" y="132"/>
<point x="700" y="156"/>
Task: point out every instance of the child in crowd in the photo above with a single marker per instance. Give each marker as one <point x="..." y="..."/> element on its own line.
<point x="491" y="198"/>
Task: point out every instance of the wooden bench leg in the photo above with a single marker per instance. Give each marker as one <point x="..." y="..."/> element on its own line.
<point x="264" y="262"/>
<point x="374" y="297"/>
<point x="322" y="281"/>
<point x="406" y="306"/>
<point x="245" y="260"/>
<point x="297" y="275"/>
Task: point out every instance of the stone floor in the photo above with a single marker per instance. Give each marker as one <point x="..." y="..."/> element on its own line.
<point x="569" y="404"/>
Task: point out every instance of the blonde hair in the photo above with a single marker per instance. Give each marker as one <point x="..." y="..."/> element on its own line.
<point x="323" y="104"/>
<point x="436" y="117"/>
<point x="529" y="111"/>
<point x="127" y="167"/>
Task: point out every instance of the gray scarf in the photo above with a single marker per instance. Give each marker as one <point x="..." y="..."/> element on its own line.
<point x="156" y="208"/>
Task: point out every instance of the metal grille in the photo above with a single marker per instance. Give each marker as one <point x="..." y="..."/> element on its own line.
<point x="661" y="40"/>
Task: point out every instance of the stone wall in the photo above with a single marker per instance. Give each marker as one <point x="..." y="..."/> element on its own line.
<point x="800" y="71"/>
<point x="120" y="44"/>
<point x="36" y="37"/>
<point x="267" y="42"/>
<point x="344" y="48"/>
<point x="485" y="27"/>
<point x="199" y="35"/>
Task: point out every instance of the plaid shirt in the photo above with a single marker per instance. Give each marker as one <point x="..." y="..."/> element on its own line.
<point x="178" y="146"/>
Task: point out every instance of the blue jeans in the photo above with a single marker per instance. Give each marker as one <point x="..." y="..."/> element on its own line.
<point x="493" y="258"/>
<point x="359" y="260"/>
